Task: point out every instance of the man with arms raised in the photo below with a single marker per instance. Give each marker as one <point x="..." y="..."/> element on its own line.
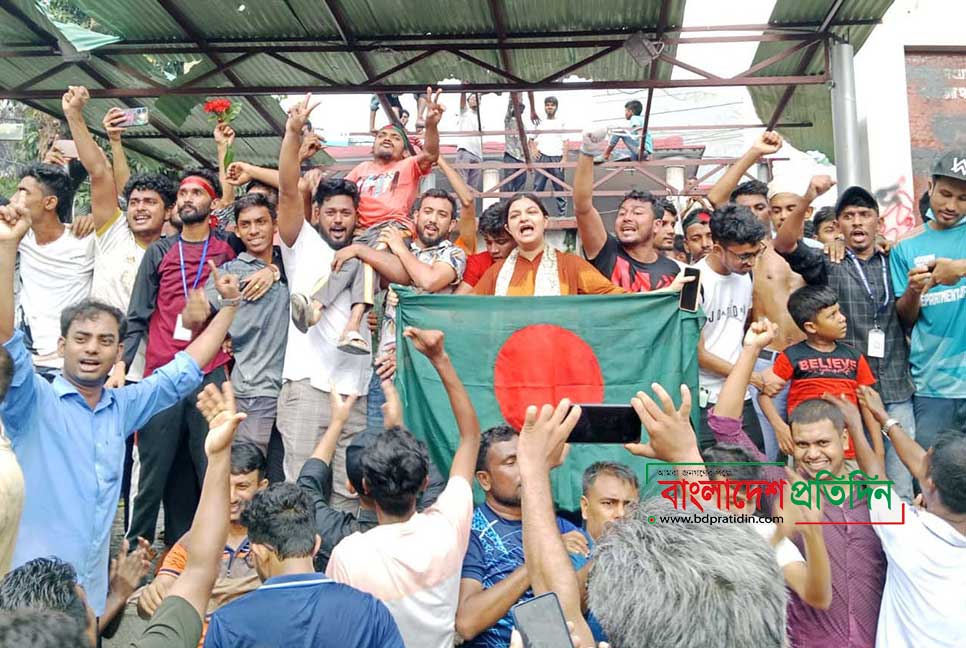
<point x="773" y="279"/>
<point x="495" y="575"/>
<point x="498" y="243"/>
<point x="819" y="436"/>
<point x="75" y="429"/>
<point x="629" y="258"/>
<point x="727" y="301"/>
<point x="412" y="561"/>
<point x="121" y="238"/>
<point x="864" y="286"/>
<point x="925" y="545"/>
<point x="296" y="606"/>
<point x="56" y="267"/>
<point x="313" y="364"/>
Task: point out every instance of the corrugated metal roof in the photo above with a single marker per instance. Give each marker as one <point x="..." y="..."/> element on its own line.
<point x="146" y="25"/>
<point x="810" y="103"/>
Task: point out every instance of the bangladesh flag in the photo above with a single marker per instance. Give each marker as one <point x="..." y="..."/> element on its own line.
<point x="512" y="352"/>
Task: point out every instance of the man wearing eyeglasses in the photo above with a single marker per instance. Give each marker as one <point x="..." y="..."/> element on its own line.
<point x="726" y="287"/>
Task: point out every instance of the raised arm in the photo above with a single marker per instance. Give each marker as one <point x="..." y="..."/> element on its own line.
<point x="866" y="457"/>
<point x="909" y="451"/>
<point x="341" y="407"/>
<point x="103" y="191"/>
<point x="670" y="435"/>
<point x="593" y="234"/>
<point x="430" y="344"/>
<point x="541" y="448"/>
<point x="208" y="343"/>
<point x="786" y="240"/>
<point x="290" y="206"/>
<point x="112" y="126"/>
<point x="209" y="529"/>
<point x="434" y="112"/>
<point x="14" y="223"/>
<point x="767" y="143"/>
<point x="224" y="138"/>
<point x="731" y="398"/>
<point x="467" y="217"/>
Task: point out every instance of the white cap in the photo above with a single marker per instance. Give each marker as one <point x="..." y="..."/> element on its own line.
<point x="790" y="184"/>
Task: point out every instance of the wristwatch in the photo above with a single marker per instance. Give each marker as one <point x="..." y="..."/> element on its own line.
<point x="888" y="425"/>
<point x="224" y="303"/>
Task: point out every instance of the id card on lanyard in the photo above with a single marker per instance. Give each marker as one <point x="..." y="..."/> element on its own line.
<point x="181" y="332"/>
<point x="876" y="347"/>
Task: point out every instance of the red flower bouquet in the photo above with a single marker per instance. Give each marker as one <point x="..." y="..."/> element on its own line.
<point x="223" y="111"/>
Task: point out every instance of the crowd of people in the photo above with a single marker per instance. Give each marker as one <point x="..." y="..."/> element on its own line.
<point x="223" y="347"/>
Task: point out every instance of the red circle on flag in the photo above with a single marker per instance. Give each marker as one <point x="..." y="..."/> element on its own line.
<point x="542" y="364"/>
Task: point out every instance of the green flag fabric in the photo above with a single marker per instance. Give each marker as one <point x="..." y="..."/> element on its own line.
<point x="511" y="352"/>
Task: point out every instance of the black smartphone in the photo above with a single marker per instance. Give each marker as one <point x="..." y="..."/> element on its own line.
<point x="541" y="623"/>
<point x="606" y="424"/>
<point x="691" y="290"/>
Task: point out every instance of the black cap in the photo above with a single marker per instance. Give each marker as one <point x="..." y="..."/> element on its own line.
<point x="851" y="196"/>
<point x="951" y="165"/>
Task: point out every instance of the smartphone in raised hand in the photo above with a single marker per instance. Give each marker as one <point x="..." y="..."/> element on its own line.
<point x="600" y="423"/>
<point x="541" y="623"/>
<point x="134" y="117"/>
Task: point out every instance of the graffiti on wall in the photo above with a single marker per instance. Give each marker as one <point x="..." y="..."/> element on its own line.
<point x="897" y="209"/>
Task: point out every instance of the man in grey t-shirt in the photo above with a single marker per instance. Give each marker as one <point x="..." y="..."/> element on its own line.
<point x="260" y="329"/>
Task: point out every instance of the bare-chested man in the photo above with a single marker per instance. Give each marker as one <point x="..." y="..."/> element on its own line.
<point x="773" y="279"/>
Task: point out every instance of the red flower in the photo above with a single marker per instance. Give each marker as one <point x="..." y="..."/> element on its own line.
<point x="218" y="106"/>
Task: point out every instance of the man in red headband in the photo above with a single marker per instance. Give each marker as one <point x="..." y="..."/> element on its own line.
<point x="170" y="447"/>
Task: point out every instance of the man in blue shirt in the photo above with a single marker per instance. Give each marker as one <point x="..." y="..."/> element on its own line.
<point x="69" y="435"/>
<point x="494" y="576"/>
<point x="929" y="280"/>
<point x="294" y="602"/>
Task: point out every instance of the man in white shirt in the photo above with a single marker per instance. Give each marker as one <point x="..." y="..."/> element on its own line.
<point x="550" y="148"/>
<point x="313" y="363"/>
<point x="411" y="561"/>
<point x="925" y="545"/>
<point x="55" y="267"/>
<point x="727" y="293"/>
<point x="120" y="238"/>
<point x="469" y="148"/>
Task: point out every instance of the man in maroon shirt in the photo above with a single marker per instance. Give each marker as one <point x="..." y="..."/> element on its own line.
<point x="854" y="550"/>
<point x="170" y="447"/>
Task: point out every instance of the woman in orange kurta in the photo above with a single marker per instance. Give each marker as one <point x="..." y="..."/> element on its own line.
<point x="535" y="268"/>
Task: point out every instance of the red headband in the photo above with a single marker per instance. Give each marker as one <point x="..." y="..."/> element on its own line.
<point x="198" y="181"/>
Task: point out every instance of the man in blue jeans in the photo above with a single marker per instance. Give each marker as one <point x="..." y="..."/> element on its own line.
<point x="550" y="148"/>
<point x="929" y="279"/>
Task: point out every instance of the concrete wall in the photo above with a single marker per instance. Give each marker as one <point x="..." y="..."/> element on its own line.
<point x="885" y="93"/>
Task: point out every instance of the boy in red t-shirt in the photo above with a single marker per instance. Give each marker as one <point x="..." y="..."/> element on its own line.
<point x="819" y="365"/>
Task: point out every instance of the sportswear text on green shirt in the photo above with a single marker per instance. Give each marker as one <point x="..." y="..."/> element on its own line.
<point x="938" y="353"/>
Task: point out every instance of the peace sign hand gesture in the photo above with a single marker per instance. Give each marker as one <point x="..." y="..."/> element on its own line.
<point x="434" y="109"/>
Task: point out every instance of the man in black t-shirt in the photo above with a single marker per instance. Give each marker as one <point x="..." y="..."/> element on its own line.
<point x="628" y="257"/>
